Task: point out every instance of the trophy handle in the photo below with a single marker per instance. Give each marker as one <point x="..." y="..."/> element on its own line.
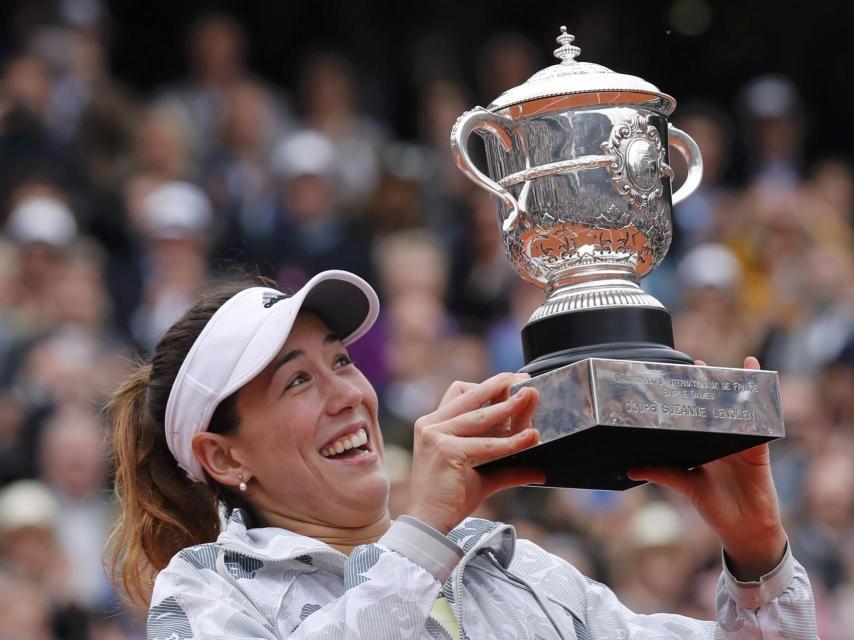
<point x="480" y="119"/>
<point x="685" y="145"/>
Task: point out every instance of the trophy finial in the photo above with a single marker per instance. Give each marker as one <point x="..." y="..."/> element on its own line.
<point x="567" y="51"/>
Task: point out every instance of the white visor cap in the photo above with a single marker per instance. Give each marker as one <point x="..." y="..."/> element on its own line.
<point x="243" y="337"/>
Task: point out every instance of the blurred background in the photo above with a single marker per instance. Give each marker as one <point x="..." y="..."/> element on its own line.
<point x="148" y="148"/>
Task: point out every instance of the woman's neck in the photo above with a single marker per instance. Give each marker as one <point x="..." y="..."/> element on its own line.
<point x="341" y="538"/>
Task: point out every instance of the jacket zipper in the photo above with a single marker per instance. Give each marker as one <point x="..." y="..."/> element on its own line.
<point x="457" y="583"/>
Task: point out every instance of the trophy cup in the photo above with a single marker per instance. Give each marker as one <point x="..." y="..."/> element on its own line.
<point x="577" y="158"/>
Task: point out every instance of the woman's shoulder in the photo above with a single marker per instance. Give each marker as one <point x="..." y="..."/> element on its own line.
<point x="188" y="567"/>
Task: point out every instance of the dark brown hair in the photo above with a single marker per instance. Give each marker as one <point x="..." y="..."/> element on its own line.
<point x="163" y="510"/>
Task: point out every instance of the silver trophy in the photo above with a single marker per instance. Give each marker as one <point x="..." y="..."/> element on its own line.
<point x="578" y="158"/>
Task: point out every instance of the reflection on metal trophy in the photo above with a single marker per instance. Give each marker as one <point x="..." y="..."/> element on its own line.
<point x="578" y="160"/>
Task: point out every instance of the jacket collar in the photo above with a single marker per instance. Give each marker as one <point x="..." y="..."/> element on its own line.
<point x="275" y="544"/>
<point x="476" y="535"/>
<point x="473" y="535"/>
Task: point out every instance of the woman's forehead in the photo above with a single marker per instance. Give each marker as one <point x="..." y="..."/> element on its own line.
<point x="309" y="333"/>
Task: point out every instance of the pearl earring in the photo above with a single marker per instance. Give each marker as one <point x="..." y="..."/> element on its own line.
<point x="242" y="485"/>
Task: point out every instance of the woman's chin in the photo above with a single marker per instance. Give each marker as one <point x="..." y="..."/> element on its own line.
<point x="368" y="494"/>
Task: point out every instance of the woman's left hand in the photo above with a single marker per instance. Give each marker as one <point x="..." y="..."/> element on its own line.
<point x="737" y="499"/>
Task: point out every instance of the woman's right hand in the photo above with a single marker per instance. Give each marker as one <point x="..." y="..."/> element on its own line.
<point x="474" y="423"/>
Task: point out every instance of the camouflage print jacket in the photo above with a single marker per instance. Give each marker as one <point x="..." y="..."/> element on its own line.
<point x="269" y="583"/>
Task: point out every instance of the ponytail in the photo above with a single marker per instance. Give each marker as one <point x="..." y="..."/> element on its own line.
<point x="162" y="510"/>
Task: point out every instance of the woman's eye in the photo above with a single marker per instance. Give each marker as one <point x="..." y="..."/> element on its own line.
<point x="297" y="380"/>
<point x="343" y="360"/>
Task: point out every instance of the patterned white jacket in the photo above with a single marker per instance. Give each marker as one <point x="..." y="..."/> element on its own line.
<point x="269" y="583"/>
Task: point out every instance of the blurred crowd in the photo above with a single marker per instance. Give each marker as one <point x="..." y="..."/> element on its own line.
<point x="118" y="208"/>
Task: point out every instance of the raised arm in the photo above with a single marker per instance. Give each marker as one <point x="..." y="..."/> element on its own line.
<point x="737" y="499"/>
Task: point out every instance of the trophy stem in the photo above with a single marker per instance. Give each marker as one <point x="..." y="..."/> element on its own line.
<point x="592" y="290"/>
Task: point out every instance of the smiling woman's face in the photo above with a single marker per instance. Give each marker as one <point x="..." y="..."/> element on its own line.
<point x="309" y="434"/>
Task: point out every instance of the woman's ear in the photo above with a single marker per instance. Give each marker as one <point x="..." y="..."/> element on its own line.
<point x="215" y="453"/>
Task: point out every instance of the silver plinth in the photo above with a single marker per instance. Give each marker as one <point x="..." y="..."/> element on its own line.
<point x="599" y="417"/>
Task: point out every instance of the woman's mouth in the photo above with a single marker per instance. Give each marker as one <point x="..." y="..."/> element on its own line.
<point x="350" y="445"/>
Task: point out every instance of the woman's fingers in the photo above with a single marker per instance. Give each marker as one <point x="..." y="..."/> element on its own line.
<point x="480" y="450"/>
<point x="522" y="420"/>
<point x="676" y="479"/>
<point x="476" y="396"/>
<point x="458" y="388"/>
<point x="491" y="419"/>
<point x="750" y="362"/>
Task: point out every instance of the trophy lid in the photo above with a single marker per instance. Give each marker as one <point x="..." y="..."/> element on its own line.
<point x="571" y="83"/>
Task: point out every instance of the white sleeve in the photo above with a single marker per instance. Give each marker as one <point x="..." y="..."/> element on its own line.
<point x="390" y="589"/>
<point x="779" y="605"/>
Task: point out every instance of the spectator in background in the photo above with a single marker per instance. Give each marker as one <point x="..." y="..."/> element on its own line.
<point x="820" y="315"/>
<point x="29" y="150"/>
<point x="774" y="125"/>
<point x="708" y="325"/>
<point x="237" y="174"/>
<point x="828" y="502"/>
<point x="417" y="330"/>
<point x="824" y="535"/>
<point x="32" y="560"/>
<point x="79" y="294"/>
<point x="830" y="186"/>
<point x="695" y="219"/>
<point x="26" y="83"/>
<point x="164" y="149"/>
<point x="312" y="233"/>
<point x="174" y="226"/>
<point x="441" y="102"/>
<point x="217" y="57"/>
<point x="65" y="369"/>
<point x="412" y="261"/>
<point x="397" y="202"/>
<point x="24" y="610"/>
<point x="481" y="275"/>
<point x="77" y="61"/>
<point x="73" y="464"/>
<point x="43" y="228"/>
<point x="835" y="384"/>
<point x="654" y="558"/>
<point x="506" y="60"/>
<point x="808" y="429"/>
<point x="329" y="96"/>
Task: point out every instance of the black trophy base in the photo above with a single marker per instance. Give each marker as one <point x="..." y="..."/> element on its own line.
<point x="620" y="333"/>
<point x="599" y="457"/>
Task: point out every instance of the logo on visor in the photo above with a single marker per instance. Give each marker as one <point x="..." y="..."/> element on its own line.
<point x="272" y="298"/>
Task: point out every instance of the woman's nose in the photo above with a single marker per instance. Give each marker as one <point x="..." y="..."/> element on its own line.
<point x="343" y="394"/>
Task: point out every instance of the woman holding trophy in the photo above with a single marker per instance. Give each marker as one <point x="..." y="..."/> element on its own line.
<point x="251" y="405"/>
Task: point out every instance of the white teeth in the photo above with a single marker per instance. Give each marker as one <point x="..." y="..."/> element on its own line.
<point x="346" y="442"/>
